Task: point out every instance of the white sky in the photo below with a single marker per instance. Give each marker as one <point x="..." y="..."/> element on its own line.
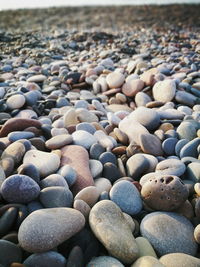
<point x="15" y="4"/>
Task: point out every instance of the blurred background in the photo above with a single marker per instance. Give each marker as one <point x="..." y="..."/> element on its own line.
<point x="13" y="4"/>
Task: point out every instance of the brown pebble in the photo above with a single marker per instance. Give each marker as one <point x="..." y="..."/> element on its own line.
<point x="120" y="150"/>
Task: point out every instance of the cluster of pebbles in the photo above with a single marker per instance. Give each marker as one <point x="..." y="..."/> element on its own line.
<point x="100" y="149"/>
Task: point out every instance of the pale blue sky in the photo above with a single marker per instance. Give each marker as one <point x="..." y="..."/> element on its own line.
<point x="14" y="4"/>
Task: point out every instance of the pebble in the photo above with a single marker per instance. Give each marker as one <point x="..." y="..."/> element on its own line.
<point x="77" y="157"/>
<point x="169" y="232"/>
<point x="46" y="163"/>
<point x="96" y="168"/>
<point x="89" y="195"/>
<point x="26" y="187"/>
<point x="50" y="258"/>
<point x="164" y="91"/>
<point x="190" y="149"/>
<point x="193" y="172"/>
<point x="37" y="78"/>
<point x="96" y="150"/>
<point x="53" y="180"/>
<point x="104" y="261"/>
<point x="171" y="167"/>
<point x="179" y="260"/>
<point x="83" y="138"/>
<point x="108" y="157"/>
<point x="164" y="193"/>
<point x="145" y="247"/>
<point x="169" y="145"/>
<point x="17" y="135"/>
<point x="121" y="246"/>
<point x="41" y="231"/>
<point x="68" y="173"/>
<point x="15" y="101"/>
<point x="132" y="87"/>
<point x="115" y="79"/>
<point x="137" y="165"/>
<point x="147" y="261"/>
<point x="186" y="130"/>
<point x="56" y="196"/>
<point x="132" y="203"/>
<point x="9" y="253"/>
<point x="150" y="144"/>
<point x="59" y="141"/>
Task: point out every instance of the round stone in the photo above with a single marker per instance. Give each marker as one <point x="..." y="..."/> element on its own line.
<point x="108" y="157"/>
<point x="113" y="231"/>
<point x="86" y="126"/>
<point x="83" y="138"/>
<point x="42" y="231"/>
<point x="54" y="180"/>
<point x="137" y="165"/>
<point x="115" y="79"/>
<point x="96" y="150"/>
<point x="169" y="232"/>
<point x="56" y="196"/>
<point x="104" y="261"/>
<point x="102" y="185"/>
<point x="29" y="170"/>
<point x="141" y="99"/>
<point x="164" y="193"/>
<point x="186" y="130"/>
<point x="37" y="78"/>
<point x="68" y="173"/>
<point x="127" y="197"/>
<point x="19" y="189"/>
<point x="50" y="259"/>
<point x="15" y="101"/>
<point x="145" y="247"/>
<point x="83" y="207"/>
<point x="14" y="136"/>
<point x="164" y="91"/>
<point x="46" y="163"/>
<point x="96" y="168"/>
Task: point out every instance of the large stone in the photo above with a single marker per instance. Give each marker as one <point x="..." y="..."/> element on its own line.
<point x="18" y="124"/>
<point x="179" y="260"/>
<point x="77" y="157"/>
<point x="111" y="228"/>
<point x="169" y="232"/>
<point x="46" y="163"/>
<point x="45" y="229"/>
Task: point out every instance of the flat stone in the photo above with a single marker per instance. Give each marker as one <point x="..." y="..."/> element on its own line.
<point x="169" y="145"/>
<point x="15" y="101"/>
<point x="46" y="163"/>
<point x="115" y="79"/>
<point x="37" y="78"/>
<point x="77" y="157"/>
<point x="164" y="91"/>
<point x="50" y="259"/>
<point x="86" y="126"/>
<point x="53" y="180"/>
<point x="164" y="192"/>
<point x="171" y="167"/>
<point x="17" y="135"/>
<point x="179" y="260"/>
<point x="104" y="261"/>
<point x="18" y="124"/>
<point x="190" y="149"/>
<point x="127" y="197"/>
<point x="42" y="231"/>
<point x="19" y="189"/>
<point x="113" y="231"/>
<point x="59" y="141"/>
<point x="169" y="232"/>
<point x="150" y="144"/>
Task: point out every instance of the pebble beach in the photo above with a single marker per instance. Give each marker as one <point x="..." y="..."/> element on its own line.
<point x="100" y="137"/>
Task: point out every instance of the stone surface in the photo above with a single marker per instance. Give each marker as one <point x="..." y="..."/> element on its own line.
<point x="164" y="192"/>
<point x="46" y="163"/>
<point x="115" y="79"/>
<point x="15" y="101"/>
<point x="132" y="87"/>
<point x="42" y="231"/>
<point x="89" y="194"/>
<point x="77" y="158"/>
<point x="171" y="167"/>
<point x="83" y="138"/>
<point x="111" y="228"/>
<point x="59" y="141"/>
<point x="145" y="247"/>
<point x="169" y="232"/>
<point x="127" y="197"/>
<point x="9" y="253"/>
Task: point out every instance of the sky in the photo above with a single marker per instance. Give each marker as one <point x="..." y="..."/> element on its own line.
<point x="15" y="4"/>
